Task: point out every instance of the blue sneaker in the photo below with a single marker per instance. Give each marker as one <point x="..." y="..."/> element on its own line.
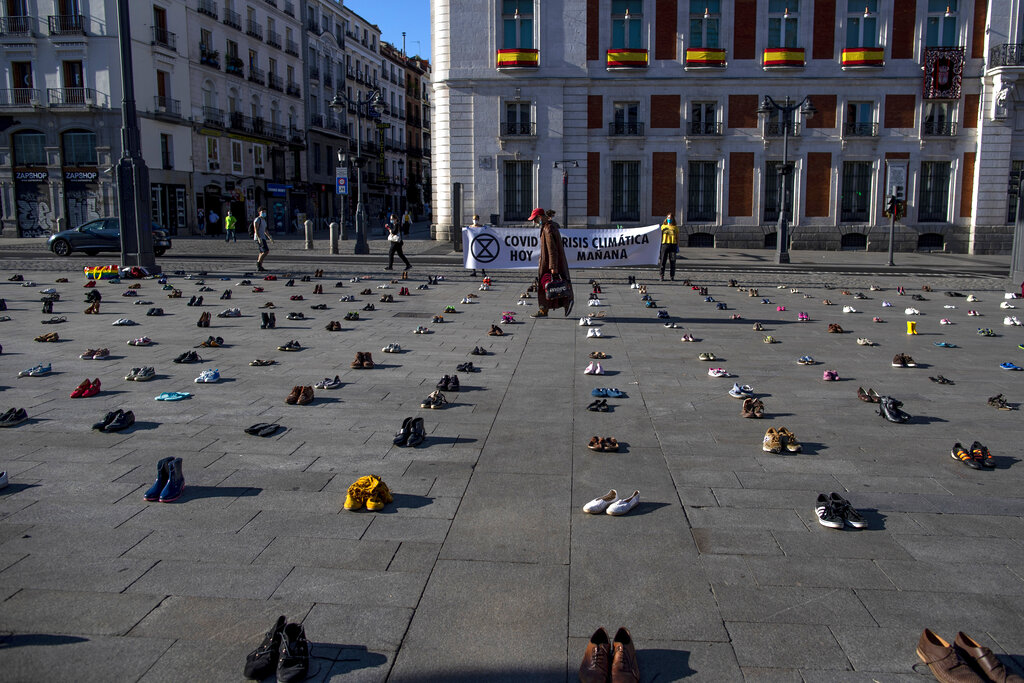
<point x="945" y="344"/>
<point x="1010" y="366"/>
<point x="599" y="393"/>
<point x="175" y="481"/>
<point x="162" y="474"/>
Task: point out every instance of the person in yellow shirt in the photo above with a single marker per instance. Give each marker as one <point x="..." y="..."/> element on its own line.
<point x="669" y="245"/>
<point x="229" y="228"/>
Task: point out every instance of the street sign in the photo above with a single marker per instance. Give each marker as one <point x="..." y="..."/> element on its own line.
<point x="341" y="172"/>
<point x="342" y="185"/>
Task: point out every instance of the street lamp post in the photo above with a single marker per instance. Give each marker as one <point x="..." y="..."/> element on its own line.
<point x="807" y="111"/>
<point x="338" y="105"/>
<point x="565" y="165"/>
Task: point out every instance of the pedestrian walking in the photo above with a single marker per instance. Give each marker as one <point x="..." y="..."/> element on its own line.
<point x="229" y="228"/>
<point x="555" y="286"/>
<point x="396" y="242"/>
<point x="669" y="245"/>
<point x="261" y="237"/>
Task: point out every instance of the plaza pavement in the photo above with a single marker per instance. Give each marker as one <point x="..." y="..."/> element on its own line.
<point x="485" y="568"/>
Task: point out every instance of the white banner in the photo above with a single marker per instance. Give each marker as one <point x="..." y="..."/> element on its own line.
<point x="519" y="248"/>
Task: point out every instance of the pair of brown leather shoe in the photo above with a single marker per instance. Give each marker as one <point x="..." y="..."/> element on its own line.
<point x="300" y="396"/>
<point x="94" y="307"/>
<point x="753" y="407"/>
<point x="363" y="360"/>
<point x="334" y="326"/>
<point x="614" y="661"/>
<point x="965" y="661"/>
<point x="204" y="320"/>
<point x="869" y="396"/>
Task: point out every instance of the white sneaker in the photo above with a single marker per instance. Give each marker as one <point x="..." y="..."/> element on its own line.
<point x="912" y="311"/>
<point x="1011" y="295"/>
<point x="599" y="370"/>
<point x="624" y="505"/>
<point x="1015" y="321"/>
<point x="972" y="298"/>
<point x="1007" y="320"/>
<point x="849" y="309"/>
<point x="597" y="332"/>
<point x="599" y="505"/>
<point x="718" y="372"/>
<point x="1006" y="304"/>
<point x="949" y="306"/>
<point x="591" y="332"/>
<point x="595" y="302"/>
<point x="589" y="370"/>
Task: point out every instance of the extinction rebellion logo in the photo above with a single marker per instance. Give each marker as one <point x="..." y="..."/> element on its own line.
<point x="485" y="248"/>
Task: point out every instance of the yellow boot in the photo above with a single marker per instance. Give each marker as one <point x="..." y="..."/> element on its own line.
<point x="911" y="327"/>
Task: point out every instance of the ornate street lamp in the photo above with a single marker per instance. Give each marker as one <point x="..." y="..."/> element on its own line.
<point x="338" y="105"/>
<point x="807" y="111"/>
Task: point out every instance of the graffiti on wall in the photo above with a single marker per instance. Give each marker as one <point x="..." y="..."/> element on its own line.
<point x="35" y="217"/>
<point x="82" y="206"/>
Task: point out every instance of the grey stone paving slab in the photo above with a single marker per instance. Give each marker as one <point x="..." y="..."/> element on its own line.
<point x="291" y="550"/>
<point x="888" y="650"/>
<point x="211" y="579"/>
<point x="524" y="605"/>
<point x="820" y="572"/>
<point x="97" y="574"/>
<point x="735" y="542"/>
<point x="503" y="529"/>
<point x="949" y="612"/>
<point x="355" y="625"/>
<point x="394" y="528"/>
<point x="786" y="646"/>
<point x="217" y="619"/>
<point x="200" y="546"/>
<point x="35" y="656"/>
<point x="979" y="550"/>
<point x="949" y="576"/>
<point x="80" y="540"/>
<point x="351" y="586"/>
<point x="791" y="605"/>
<point x="75" y="612"/>
<point x="823" y="542"/>
<point x="733" y="518"/>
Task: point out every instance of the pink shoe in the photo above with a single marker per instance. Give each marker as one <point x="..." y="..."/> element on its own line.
<point x="877" y="320"/>
<point x="780" y="308"/>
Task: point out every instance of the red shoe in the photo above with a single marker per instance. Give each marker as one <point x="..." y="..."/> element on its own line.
<point x="90" y="283"/>
<point x="93" y="389"/>
<point x="257" y="289"/>
<point x="270" y="277"/>
<point x="82" y="388"/>
<point x="296" y="297"/>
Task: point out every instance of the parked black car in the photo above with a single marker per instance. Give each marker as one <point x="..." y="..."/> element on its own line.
<point x="103" y="234"/>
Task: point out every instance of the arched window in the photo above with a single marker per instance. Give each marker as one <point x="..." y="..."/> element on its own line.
<point x="78" y="147"/>
<point x="29" y="148"/>
<point x="275" y="112"/>
<point x="209" y="95"/>
<point x="257" y="108"/>
<point x="233" y="103"/>
<point x="292" y="117"/>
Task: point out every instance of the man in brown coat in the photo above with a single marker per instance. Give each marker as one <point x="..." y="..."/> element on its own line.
<point x="551" y="265"/>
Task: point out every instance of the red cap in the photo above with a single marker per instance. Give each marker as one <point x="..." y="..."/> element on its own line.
<point x="536" y="212"/>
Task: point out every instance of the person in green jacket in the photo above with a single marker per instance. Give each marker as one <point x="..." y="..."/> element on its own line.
<point x="229" y="227"/>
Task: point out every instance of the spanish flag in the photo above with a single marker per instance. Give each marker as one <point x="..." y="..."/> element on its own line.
<point x="863" y="56"/>
<point x="519" y="57"/>
<point x="705" y="56"/>
<point x="627" y="58"/>
<point x="784" y="56"/>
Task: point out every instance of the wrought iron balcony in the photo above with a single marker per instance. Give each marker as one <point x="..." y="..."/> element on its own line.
<point x="234" y="66"/>
<point x="167" y="106"/>
<point x="232" y="19"/>
<point x="293" y="89"/>
<point x="208" y="7"/>
<point x="208" y="57"/>
<point x="1007" y="54"/>
<point x="518" y="129"/>
<point x="705" y="128"/>
<point x="938" y="128"/>
<point x="15" y="26"/>
<point x="275" y="82"/>
<point x="71" y="97"/>
<point x="240" y="122"/>
<point x="66" y="24"/>
<point x="291" y="47"/>
<point x="861" y="130"/>
<point x="274" y="39"/>
<point x="625" y="129"/>
<point x="164" y="38"/>
<point x="289" y="8"/>
<point x="213" y="117"/>
<point x="257" y="75"/>
<point x="19" y="97"/>
<point x="296" y="136"/>
<point x="317" y="120"/>
<point x="775" y="129"/>
<point x="253" y="29"/>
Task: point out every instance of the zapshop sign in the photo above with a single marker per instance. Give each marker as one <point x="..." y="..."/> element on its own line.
<point x="519" y="248"/>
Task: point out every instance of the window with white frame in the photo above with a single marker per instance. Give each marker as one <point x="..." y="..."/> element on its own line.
<point x="861" y="23"/>
<point x="856" y="193"/>
<point x="518" y="118"/>
<point x="518" y="190"/>
<point x="517" y="24"/>
<point x="702" y="192"/>
<point x="705" y="18"/>
<point x="236" y="157"/>
<point x="860" y="119"/>
<point x="783" y="23"/>
<point x="626" y="119"/>
<point x="258" y="159"/>
<point x="625" y="191"/>
<point x="212" y="154"/>
<point x="704" y="118"/>
<point x="933" y="202"/>
<point x="941" y="24"/>
<point x="627" y="24"/>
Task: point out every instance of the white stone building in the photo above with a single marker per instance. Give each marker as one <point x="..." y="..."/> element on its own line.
<point x="651" y="106"/>
<point x="60" y="101"/>
<point x="392" y="130"/>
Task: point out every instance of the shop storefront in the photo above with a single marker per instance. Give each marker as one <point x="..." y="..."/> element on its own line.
<point x="81" y="195"/>
<point x="170" y="207"/>
<point x="32" y="206"/>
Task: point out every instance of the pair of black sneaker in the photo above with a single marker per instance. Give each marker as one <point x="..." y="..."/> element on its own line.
<point x="226" y="294"/>
<point x="891" y="410"/>
<point x="478" y="351"/>
<point x="447" y="383"/>
<point x="115" y="421"/>
<point x="13" y="417"/>
<point x="195" y="301"/>
<point x="467" y="367"/>
<point x="188" y="357"/>
<point x="599" y="406"/>
<point x="835" y="512"/>
<point x="412" y="433"/>
<point x="269" y="321"/>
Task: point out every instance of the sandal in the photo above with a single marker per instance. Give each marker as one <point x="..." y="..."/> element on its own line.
<point x="609" y="445"/>
<point x="595" y="444"/>
<point x="54" y="320"/>
<point x="941" y="380"/>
